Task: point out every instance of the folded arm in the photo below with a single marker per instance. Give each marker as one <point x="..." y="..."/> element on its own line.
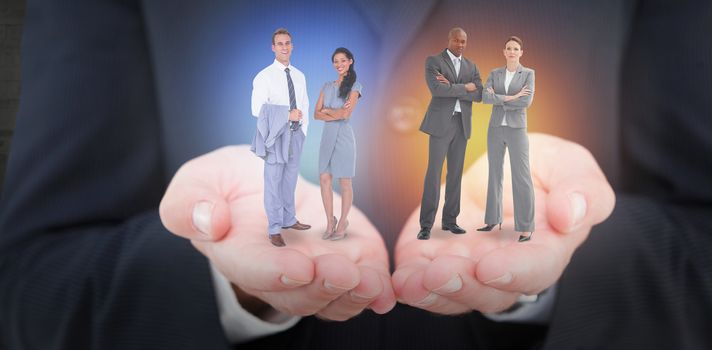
<point x="437" y="88"/>
<point x="523" y="101"/>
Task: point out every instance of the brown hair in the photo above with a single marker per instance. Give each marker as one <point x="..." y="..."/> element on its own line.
<point x="280" y="31"/>
<point x="516" y="39"/>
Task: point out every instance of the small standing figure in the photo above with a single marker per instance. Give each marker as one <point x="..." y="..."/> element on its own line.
<point x="454" y="83"/>
<point x="279" y="95"/>
<point x="337" y="151"/>
<point x="510" y="90"/>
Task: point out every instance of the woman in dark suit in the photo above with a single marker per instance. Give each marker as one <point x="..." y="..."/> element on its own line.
<point x="510" y="90"/>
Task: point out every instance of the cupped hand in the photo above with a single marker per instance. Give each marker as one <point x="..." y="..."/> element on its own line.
<point x="216" y="201"/>
<point x="487" y="271"/>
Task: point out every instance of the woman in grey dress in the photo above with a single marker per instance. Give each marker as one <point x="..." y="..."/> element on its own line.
<point x="337" y="151"/>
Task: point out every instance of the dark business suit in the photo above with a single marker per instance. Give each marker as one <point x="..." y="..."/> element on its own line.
<point x="85" y="262"/>
<point x="84" y="259"/>
<point x="643" y="279"/>
<point x="448" y="132"/>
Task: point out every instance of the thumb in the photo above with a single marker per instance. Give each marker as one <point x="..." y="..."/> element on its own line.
<point x="196" y="203"/>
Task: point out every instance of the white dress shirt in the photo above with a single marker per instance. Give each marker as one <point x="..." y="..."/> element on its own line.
<point x="456" y="61"/>
<point x="507" y="80"/>
<point x="270" y="86"/>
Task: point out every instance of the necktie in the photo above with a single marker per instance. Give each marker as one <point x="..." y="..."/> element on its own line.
<point x="456" y="62"/>
<point x="292" y="99"/>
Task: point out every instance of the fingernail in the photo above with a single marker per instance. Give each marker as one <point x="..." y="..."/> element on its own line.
<point x="334" y="288"/>
<point x="578" y="207"/>
<point x="428" y="300"/>
<point x="202" y="217"/>
<point x="357" y="298"/>
<point x="292" y="283"/>
<point x="501" y="280"/>
<point x="452" y="286"/>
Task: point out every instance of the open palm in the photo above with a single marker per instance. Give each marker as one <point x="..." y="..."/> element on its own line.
<point x="332" y="279"/>
<point x="486" y="271"/>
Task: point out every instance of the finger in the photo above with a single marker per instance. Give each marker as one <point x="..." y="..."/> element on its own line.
<point x="195" y="205"/>
<point x="259" y="267"/>
<point x="578" y="196"/>
<point x="404" y="271"/>
<point x="386" y="301"/>
<point x="453" y="277"/>
<point x="355" y="301"/>
<point x="415" y="294"/>
<point x="335" y="275"/>
<point x="194" y="212"/>
<point x="524" y="268"/>
<point x="374" y="268"/>
<point x="572" y="205"/>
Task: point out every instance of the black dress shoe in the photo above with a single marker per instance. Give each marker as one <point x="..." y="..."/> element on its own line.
<point x="454" y="229"/>
<point x="489" y="227"/>
<point x="523" y="238"/>
<point x="277" y="240"/>
<point x="424" y="234"/>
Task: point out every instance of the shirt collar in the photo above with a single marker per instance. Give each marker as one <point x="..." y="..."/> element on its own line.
<point x="280" y="66"/>
<point x="452" y="56"/>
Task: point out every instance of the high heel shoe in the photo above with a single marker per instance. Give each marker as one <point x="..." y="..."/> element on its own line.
<point x="489" y="227"/>
<point x="523" y="238"/>
<point x="340" y="235"/>
<point x="328" y="232"/>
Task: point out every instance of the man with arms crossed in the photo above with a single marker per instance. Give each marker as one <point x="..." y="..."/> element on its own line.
<point x="454" y="83"/>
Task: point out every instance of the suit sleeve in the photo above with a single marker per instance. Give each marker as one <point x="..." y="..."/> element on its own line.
<point x="491" y="98"/>
<point x="475" y="96"/>
<point x="615" y="292"/>
<point x="524" y="101"/>
<point x="84" y="259"/>
<point x="438" y="89"/>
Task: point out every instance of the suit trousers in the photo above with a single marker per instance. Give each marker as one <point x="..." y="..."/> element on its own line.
<point x="515" y="140"/>
<point x="451" y="145"/>
<point x="280" y="184"/>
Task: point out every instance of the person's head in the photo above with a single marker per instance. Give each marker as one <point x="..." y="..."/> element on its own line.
<point x="513" y="49"/>
<point x="343" y="61"/>
<point x="282" y="45"/>
<point x="457" y="41"/>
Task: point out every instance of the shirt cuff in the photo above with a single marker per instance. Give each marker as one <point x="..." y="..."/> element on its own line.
<point x="537" y="312"/>
<point x="240" y="325"/>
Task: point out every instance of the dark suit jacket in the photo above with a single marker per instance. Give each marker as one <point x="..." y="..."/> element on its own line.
<point x="643" y="279"/>
<point x="444" y="96"/>
<point x="84" y="259"/>
<point x="85" y="262"/>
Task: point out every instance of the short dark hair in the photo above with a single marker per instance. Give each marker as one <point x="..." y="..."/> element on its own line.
<point x="516" y="39"/>
<point x="280" y="31"/>
<point x="452" y="32"/>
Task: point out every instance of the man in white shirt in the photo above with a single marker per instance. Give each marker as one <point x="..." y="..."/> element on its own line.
<point x="282" y="84"/>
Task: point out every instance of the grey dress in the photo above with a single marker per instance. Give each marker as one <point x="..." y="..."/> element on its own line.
<point x="337" y="151"/>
